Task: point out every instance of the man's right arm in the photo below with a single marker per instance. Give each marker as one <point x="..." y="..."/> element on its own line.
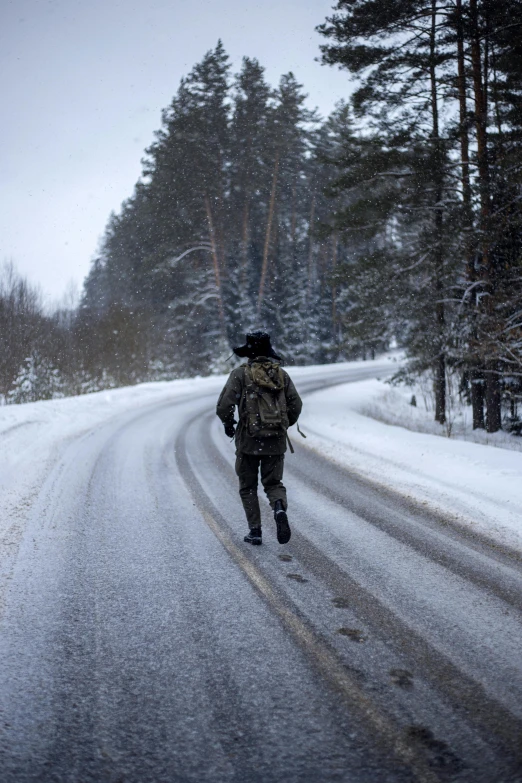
<point x="229" y="398"/>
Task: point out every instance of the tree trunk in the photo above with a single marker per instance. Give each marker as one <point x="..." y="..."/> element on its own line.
<point x="493" y="408"/>
<point x="440" y="316"/>
<point x="244" y="241"/>
<point x="476" y="376"/>
<point x="321" y="268"/>
<point x="335" y="337"/>
<point x="492" y="394"/>
<point x="219" y="227"/>
<point x="463" y="116"/>
<point x="310" y="250"/>
<point x="496" y="100"/>
<point x="440" y="390"/>
<point x="294" y="220"/>
<point x="266" y="248"/>
<point x="215" y="262"/>
<point x="477" y="399"/>
<point x="480" y="124"/>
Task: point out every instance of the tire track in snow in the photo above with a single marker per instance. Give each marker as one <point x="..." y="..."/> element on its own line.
<point x="469" y="699"/>
<point x="322" y="656"/>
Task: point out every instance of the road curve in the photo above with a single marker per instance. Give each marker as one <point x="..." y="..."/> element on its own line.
<point x="141" y="640"/>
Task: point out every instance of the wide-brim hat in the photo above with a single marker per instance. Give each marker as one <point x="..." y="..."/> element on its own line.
<point x="257" y="344"/>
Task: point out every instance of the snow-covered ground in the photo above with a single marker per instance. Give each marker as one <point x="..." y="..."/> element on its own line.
<point x="476" y="483"/>
<point x="472" y="483"/>
<point x="392" y="405"/>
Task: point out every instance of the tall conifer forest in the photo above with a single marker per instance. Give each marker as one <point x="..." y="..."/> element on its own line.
<point x="223" y="231"/>
<point x="395" y="221"/>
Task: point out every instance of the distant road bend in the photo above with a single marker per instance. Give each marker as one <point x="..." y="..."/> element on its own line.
<point x="142" y="641"/>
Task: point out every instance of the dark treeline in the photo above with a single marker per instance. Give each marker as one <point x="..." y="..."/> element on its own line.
<point x="433" y="182"/>
<point x="221" y="235"/>
<point x="397" y="220"/>
<point x="222" y="232"/>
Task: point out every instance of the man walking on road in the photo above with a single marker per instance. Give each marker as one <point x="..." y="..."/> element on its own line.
<point x="268" y="404"/>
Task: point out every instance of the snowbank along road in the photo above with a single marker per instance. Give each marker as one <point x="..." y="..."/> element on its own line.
<point x="141" y="640"/>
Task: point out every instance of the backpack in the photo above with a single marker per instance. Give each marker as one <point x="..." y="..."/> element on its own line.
<point x="264" y="409"/>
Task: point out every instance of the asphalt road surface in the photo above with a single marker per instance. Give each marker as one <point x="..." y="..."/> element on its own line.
<point x="143" y="641"/>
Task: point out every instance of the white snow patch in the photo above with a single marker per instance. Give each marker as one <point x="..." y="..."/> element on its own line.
<point x="478" y="485"/>
<point x="392" y="405"/>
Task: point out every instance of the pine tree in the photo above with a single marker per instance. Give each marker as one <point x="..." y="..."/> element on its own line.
<point x="37" y="379"/>
<point x="249" y="190"/>
<point x="287" y="227"/>
<point x="404" y="90"/>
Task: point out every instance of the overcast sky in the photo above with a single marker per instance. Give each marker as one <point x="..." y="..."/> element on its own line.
<point x="83" y="84"/>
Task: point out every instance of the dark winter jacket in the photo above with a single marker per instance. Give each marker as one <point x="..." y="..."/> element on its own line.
<point x="232" y="395"/>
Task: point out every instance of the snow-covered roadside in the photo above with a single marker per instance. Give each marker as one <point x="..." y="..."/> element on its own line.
<point x="392" y="405"/>
<point x="478" y="486"/>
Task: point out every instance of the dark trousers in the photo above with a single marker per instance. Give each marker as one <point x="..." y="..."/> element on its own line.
<point x="247" y="469"/>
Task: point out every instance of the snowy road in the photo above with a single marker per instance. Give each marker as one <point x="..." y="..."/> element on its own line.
<point x="143" y="641"/>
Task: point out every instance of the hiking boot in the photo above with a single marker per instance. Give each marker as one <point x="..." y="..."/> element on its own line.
<point x="281" y="519"/>
<point x="254" y="536"/>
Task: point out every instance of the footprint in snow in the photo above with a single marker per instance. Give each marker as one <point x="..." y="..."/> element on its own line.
<point x="352" y="633"/>
<point x="402" y="678"/>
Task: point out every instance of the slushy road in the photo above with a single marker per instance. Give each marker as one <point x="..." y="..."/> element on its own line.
<point x="142" y="640"/>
